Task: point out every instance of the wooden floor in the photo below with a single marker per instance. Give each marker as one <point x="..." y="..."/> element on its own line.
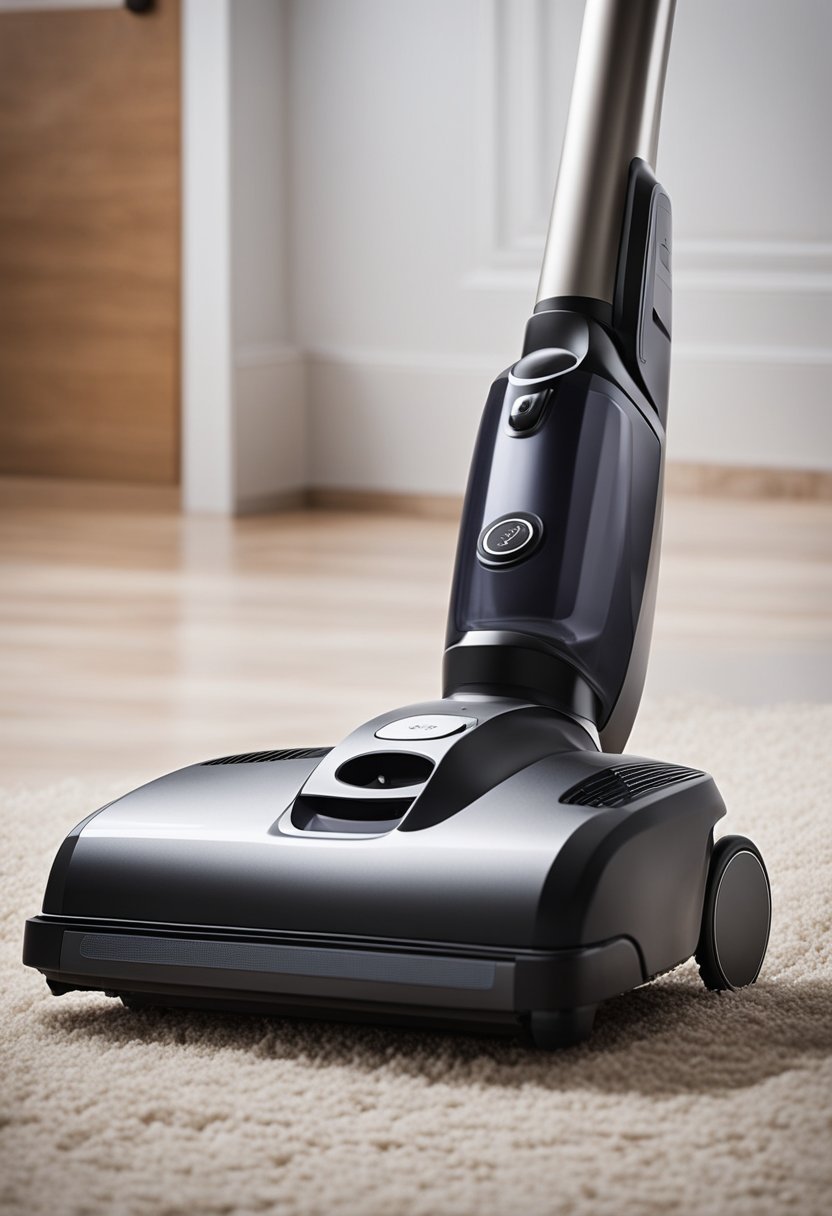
<point x="133" y="640"/>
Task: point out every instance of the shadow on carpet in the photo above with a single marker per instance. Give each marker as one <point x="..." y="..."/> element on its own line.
<point x="719" y="1041"/>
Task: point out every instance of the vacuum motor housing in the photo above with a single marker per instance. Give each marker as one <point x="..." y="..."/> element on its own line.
<point x="462" y="894"/>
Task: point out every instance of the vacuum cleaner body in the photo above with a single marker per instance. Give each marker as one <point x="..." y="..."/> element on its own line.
<point x="475" y="861"/>
<point x="557" y="564"/>
<point x="489" y="859"/>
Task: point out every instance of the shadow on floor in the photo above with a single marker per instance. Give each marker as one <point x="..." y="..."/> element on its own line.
<point x="671" y="1037"/>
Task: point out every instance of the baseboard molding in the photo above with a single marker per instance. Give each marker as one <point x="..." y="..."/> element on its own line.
<point x="682" y="478"/>
<point x="404" y="427"/>
<point x="273" y="503"/>
<point x="270" y="443"/>
<point x="707" y="481"/>
<point x="386" y="502"/>
<point x="735" y="481"/>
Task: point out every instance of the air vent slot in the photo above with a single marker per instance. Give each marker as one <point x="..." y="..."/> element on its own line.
<point x="351" y="816"/>
<point x="625" y="783"/>
<point x="286" y="753"/>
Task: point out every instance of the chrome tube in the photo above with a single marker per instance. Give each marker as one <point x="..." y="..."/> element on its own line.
<point x="613" y="116"/>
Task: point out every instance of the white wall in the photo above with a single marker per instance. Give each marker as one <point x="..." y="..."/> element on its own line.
<point x="425" y="136"/>
<point x="367" y="184"/>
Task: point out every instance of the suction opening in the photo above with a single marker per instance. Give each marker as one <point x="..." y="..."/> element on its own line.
<point x="385" y="770"/>
<point x="543" y="365"/>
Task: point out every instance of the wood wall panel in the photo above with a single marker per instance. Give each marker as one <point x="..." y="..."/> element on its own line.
<point x="89" y="243"/>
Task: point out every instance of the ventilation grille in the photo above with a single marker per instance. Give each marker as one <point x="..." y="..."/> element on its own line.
<point x="286" y="753"/>
<point x="625" y="783"/>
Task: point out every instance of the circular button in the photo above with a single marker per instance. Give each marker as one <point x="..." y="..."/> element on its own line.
<point x="509" y="538"/>
<point x="425" y="726"/>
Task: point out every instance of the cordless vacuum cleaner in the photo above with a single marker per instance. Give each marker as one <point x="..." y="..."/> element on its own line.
<point x="487" y="860"/>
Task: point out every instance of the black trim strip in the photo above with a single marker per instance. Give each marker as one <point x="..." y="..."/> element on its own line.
<point x="384" y="968"/>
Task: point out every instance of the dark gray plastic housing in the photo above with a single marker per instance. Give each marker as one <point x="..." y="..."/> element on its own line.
<point x="200" y="883"/>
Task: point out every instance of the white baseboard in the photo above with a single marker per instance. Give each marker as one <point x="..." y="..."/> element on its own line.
<point x="377" y="424"/>
<point x="407" y="424"/>
<point x="756" y="407"/>
<point x="270" y="427"/>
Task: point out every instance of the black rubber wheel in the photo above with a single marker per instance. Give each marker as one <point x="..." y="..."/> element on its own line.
<point x="736" y="917"/>
<point x="552" y="1031"/>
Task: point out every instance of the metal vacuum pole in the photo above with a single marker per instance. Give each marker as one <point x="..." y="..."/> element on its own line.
<point x="613" y="116"/>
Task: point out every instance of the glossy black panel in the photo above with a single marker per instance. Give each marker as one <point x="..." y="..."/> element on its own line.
<point x="591" y="472"/>
<point x="742" y="914"/>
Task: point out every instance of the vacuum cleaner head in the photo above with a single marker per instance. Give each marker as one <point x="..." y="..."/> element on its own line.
<point x="474" y="863"/>
<point x="490" y="859"/>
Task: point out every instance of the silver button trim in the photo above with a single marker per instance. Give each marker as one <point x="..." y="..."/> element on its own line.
<point x="425" y="727"/>
<point x="504" y="523"/>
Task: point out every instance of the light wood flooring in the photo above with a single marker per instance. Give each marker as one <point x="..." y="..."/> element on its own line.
<point x="133" y="640"/>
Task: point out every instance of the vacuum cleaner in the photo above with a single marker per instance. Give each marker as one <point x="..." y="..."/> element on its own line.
<point x="489" y="860"/>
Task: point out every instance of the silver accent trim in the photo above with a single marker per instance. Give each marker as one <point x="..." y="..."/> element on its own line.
<point x="501" y="524"/>
<point x="614" y="115"/>
<point x="523" y="382"/>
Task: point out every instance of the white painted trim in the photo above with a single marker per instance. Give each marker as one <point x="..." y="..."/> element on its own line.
<point x="732" y="269"/>
<point x="421" y="412"/>
<point x="429" y="361"/>
<point x="510" y="243"/>
<point x="207" y="378"/>
<point x="518" y="110"/>
<point x="271" y="423"/>
<point x="738" y="265"/>
<point x="720" y="267"/>
<point x="266" y="356"/>
<point x="754" y="249"/>
<point x="403" y="361"/>
<point x="767" y="356"/>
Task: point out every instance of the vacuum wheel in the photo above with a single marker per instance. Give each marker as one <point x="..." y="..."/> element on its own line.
<point x="736" y="916"/>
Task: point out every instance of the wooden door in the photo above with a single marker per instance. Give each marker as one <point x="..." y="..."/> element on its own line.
<point x="89" y="243"/>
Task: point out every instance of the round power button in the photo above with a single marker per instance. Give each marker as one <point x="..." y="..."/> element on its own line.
<point x="509" y="538"/>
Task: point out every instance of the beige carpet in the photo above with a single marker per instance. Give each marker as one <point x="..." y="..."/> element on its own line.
<point x="683" y="1101"/>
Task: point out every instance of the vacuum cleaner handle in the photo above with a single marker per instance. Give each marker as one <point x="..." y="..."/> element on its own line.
<point x="557" y="563"/>
<point x="613" y="118"/>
